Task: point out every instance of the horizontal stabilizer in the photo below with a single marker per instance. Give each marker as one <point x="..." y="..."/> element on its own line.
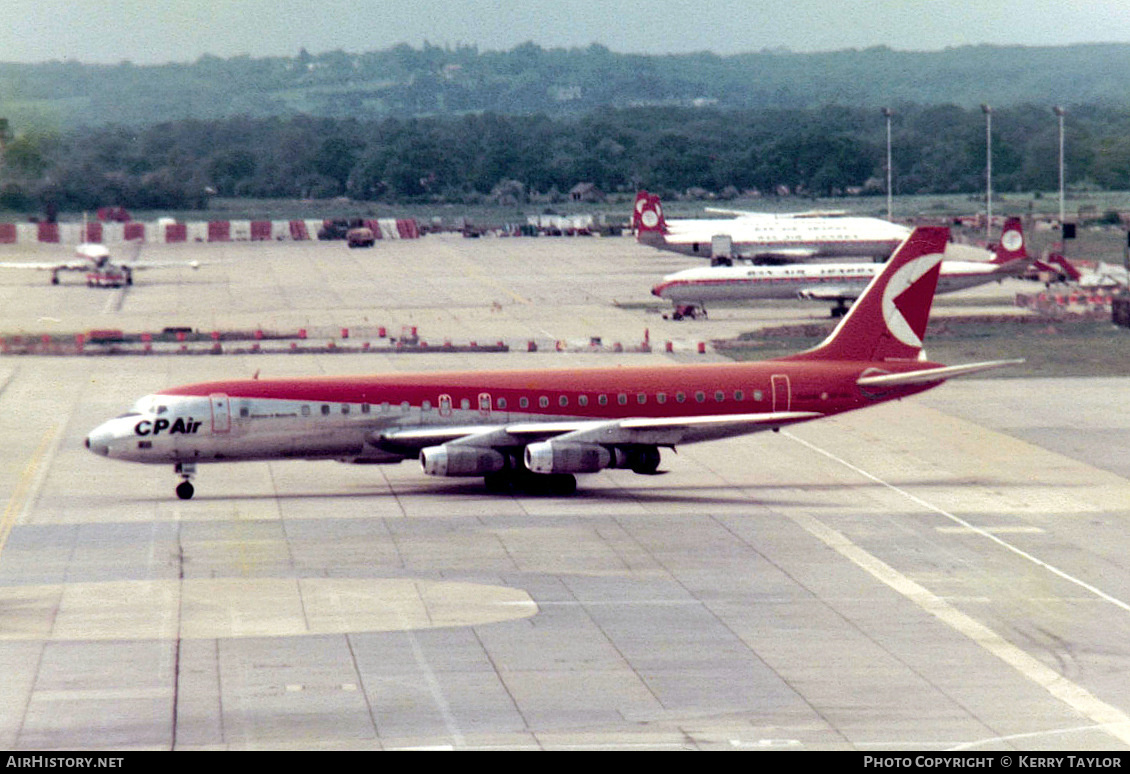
<point x="929" y="375"/>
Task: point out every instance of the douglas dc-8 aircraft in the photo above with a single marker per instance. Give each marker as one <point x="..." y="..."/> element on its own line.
<point x="775" y="238"/>
<point x="536" y="429"/>
<point x="101" y="269"/>
<point x="691" y="289"/>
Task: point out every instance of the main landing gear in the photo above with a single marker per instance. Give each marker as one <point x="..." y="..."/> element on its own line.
<point x="523" y="481"/>
<point x="186" y="470"/>
<point x="688" y="311"/>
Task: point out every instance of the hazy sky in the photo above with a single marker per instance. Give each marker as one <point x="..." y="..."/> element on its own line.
<point x="154" y="31"/>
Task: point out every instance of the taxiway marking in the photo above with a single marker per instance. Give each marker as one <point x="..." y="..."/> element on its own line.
<point x="1110" y="718"/>
<point x="31" y="479"/>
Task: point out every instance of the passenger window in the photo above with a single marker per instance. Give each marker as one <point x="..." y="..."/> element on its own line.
<point x="700" y="396"/>
<point x="501" y="403"/>
<point x="364" y="408"/>
<point x="325" y="410"/>
<point x="543" y="401"/>
<point x="719" y="396"/>
<point x="680" y="397"/>
<point x="757" y="395"/>
<point x="661" y="397"/>
<point x="641" y="398"/>
<point x="622" y="399"/>
<point x="344" y="408"/>
<point x="563" y="401"/>
<point x="523" y="402"/>
<point x="739" y="395"/>
<point x="602" y="400"/>
<point x="582" y="400"/>
<point x="244" y="411"/>
<point x="426" y="405"/>
<point x="305" y="411"/>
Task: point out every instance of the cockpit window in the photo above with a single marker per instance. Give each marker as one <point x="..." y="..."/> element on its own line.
<point x="129" y="414"/>
<point x="161" y="409"/>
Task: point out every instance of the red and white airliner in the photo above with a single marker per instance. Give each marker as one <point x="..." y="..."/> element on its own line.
<point x="536" y="429"/>
<point x="765" y="237"/>
<point x="690" y="290"/>
<point x="770" y="238"/>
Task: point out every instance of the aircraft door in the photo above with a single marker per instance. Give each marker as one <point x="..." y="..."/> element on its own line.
<point x="782" y="393"/>
<point x="221" y="412"/>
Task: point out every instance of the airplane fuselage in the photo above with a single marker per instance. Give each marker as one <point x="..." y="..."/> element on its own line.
<point x="824" y="281"/>
<point x="768" y="237"/>
<point x="351" y="418"/>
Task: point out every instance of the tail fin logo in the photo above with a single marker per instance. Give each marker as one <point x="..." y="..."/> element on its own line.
<point x="650" y="212"/>
<point x="906" y="299"/>
<point x="1012" y="240"/>
<point x="1011" y="247"/>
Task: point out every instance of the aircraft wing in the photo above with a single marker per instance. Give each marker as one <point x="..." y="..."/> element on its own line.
<point x="783" y="253"/>
<point x="805" y="214"/>
<point x="660" y="431"/>
<point x="142" y="265"/>
<point x="928" y="375"/>
<point x="830" y="293"/>
<point x="57" y="266"/>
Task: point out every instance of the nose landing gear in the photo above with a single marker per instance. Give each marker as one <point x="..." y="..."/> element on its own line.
<point x="186" y="470"/>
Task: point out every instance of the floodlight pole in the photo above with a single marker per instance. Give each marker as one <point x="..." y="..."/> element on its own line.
<point x="887" y="112"/>
<point x="1060" y="112"/>
<point x="988" y="111"/>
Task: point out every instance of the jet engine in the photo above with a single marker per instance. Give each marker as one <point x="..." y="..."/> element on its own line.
<point x="449" y="460"/>
<point x="557" y="457"/>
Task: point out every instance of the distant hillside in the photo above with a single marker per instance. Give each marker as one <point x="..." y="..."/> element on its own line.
<point x="404" y="81"/>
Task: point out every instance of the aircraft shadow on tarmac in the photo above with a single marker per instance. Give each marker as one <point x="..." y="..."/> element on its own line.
<point x="686" y="494"/>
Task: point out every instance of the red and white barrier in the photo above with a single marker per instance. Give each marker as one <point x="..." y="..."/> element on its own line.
<point x="166" y="231"/>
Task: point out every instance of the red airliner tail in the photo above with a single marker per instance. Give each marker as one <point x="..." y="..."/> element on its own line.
<point x="637" y="209"/>
<point x="1012" y="246"/>
<point x="889" y="319"/>
<point x="647" y="218"/>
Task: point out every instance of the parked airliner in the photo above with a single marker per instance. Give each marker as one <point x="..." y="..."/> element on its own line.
<point x="99" y="266"/>
<point x="535" y="429"/>
<point x="690" y="290"/>
<point x="769" y="238"/>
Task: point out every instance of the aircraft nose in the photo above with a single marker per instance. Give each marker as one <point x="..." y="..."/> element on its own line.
<point x="98" y="441"/>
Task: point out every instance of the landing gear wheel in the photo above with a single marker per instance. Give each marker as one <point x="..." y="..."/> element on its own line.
<point x="185" y="490"/>
<point x="560" y="484"/>
<point x="646" y="461"/>
<point x="499" y="482"/>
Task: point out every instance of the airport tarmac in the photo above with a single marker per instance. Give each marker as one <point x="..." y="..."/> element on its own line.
<point x="946" y="572"/>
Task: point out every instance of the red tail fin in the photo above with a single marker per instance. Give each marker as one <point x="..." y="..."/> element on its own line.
<point x="889" y="319"/>
<point x="637" y="209"/>
<point x="1011" y="247"/>
<point x="649" y="213"/>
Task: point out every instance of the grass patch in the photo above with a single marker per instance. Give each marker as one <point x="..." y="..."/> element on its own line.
<point x="1049" y="348"/>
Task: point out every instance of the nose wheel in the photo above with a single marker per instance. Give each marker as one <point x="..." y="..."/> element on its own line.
<point x="185" y="489"/>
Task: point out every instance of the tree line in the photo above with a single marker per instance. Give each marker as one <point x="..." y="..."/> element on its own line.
<point x="486" y="156"/>
<point x="403" y="82"/>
